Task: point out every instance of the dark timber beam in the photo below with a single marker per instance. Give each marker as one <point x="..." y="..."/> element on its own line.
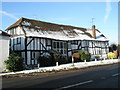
<point x="25" y="50"/>
<point x="30" y="41"/>
<point x="67" y="49"/>
<point x="43" y="45"/>
<point x="51" y="44"/>
<point x="79" y="45"/>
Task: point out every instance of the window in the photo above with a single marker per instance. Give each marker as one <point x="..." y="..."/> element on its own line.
<point x="61" y="45"/>
<point x="54" y="45"/>
<point x="69" y="46"/>
<point x="18" y="40"/>
<point x="12" y="31"/>
<point x="83" y="43"/>
<point x="73" y="42"/>
<point x="87" y="43"/>
<point x="65" y="51"/>
<point x="48" y="42"/>
<point x="58" y="45"/>
<point x="65" y="45"/>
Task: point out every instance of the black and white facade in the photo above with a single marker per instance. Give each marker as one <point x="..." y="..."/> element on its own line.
<point x="30" y="38"/>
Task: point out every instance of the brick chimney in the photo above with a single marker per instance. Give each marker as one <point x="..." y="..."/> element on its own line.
<point x="93" y="32"/>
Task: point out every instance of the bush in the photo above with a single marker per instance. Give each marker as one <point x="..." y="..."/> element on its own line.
<point x="56" y="57"/>
<point x="50" y="58"/>
<point x="14" y="63"/>
<point x="111" y="55"/>
<point x="63" y="59"/>
<point x="84" y="55"/>
<point x="45" y="60"/>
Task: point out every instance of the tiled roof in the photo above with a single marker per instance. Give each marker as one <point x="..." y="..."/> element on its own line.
<point x="45" y="26"/>
<point x="55" y="31"/>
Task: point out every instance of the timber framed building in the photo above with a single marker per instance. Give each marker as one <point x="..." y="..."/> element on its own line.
<point x="30" y="38"/>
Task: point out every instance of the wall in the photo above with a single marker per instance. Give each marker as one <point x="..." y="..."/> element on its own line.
<point x="16" y="31"/>
<point x="4" y="53"/>
<point x="36" y="47"/>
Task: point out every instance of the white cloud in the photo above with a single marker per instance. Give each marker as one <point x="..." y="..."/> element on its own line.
<point x="8" y="14"/>
<point x="108" y="9"/>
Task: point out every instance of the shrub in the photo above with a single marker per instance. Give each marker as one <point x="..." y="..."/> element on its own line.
<point x="45" y="59"/>
<point x="111" y="55"/>
<point x="14" y="63"/>
<point x="50" y="58"/>
<point x="84" y="55"/>
<point x="56" y="57"/>
<point x="63" y="59"/>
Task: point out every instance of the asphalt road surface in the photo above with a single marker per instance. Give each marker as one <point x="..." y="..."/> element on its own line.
<point x="97" y="77"/>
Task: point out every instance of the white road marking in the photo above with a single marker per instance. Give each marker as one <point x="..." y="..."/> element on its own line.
<point x="77" y="84"/>
<point x="115" y="74"/>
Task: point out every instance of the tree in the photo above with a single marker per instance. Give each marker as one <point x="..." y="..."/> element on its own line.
<point x="113" y="47"/>
<point x="84" y="55"/>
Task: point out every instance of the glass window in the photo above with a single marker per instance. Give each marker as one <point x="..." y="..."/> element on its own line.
<point x="48" y="42"/>
<point x="18" y="40"/>
<point x="12" y="31"/>
<point x="73" y="42"/>
<point x="58" y="45"/>
<point x="54" y="45"/>
<point x="65" y="51"/>
<point x="65" y="45"/>
<point x="61" y="45"/>
<point x="90" y="44"/>
<point x="83" y="43"/>
<point x="69" y="46"/>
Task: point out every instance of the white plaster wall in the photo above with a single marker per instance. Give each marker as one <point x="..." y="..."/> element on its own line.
<point x="28" y="58"/>
<point x="37" y="54"/>
<point x="4" y="51"/>
<point x="17" y="30"/>
<point x="22" y="43"/>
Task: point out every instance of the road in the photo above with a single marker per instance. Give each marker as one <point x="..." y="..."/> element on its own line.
<point x="97" y="77"/>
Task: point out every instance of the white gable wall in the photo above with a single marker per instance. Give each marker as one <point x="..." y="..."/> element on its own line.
<point x="16" y="31"/>
<point x="4" y="53"/>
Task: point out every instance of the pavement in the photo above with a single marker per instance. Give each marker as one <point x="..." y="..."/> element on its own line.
<point x="93" y="77"/>
<point x="65" y="67"/>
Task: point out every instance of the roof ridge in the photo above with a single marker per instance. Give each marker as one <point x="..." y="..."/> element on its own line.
<point x="51" y="23"/>
<point x="22" y="18"/>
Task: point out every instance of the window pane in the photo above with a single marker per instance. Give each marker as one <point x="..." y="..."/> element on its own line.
<point x="65" y="45"/>
<point x="58" y="45"/>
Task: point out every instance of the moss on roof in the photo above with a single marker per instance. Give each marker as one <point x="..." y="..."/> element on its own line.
<point x="40" y="25"/>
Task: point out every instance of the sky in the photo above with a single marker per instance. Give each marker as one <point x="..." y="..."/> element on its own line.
<point x="78" y="14"/>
